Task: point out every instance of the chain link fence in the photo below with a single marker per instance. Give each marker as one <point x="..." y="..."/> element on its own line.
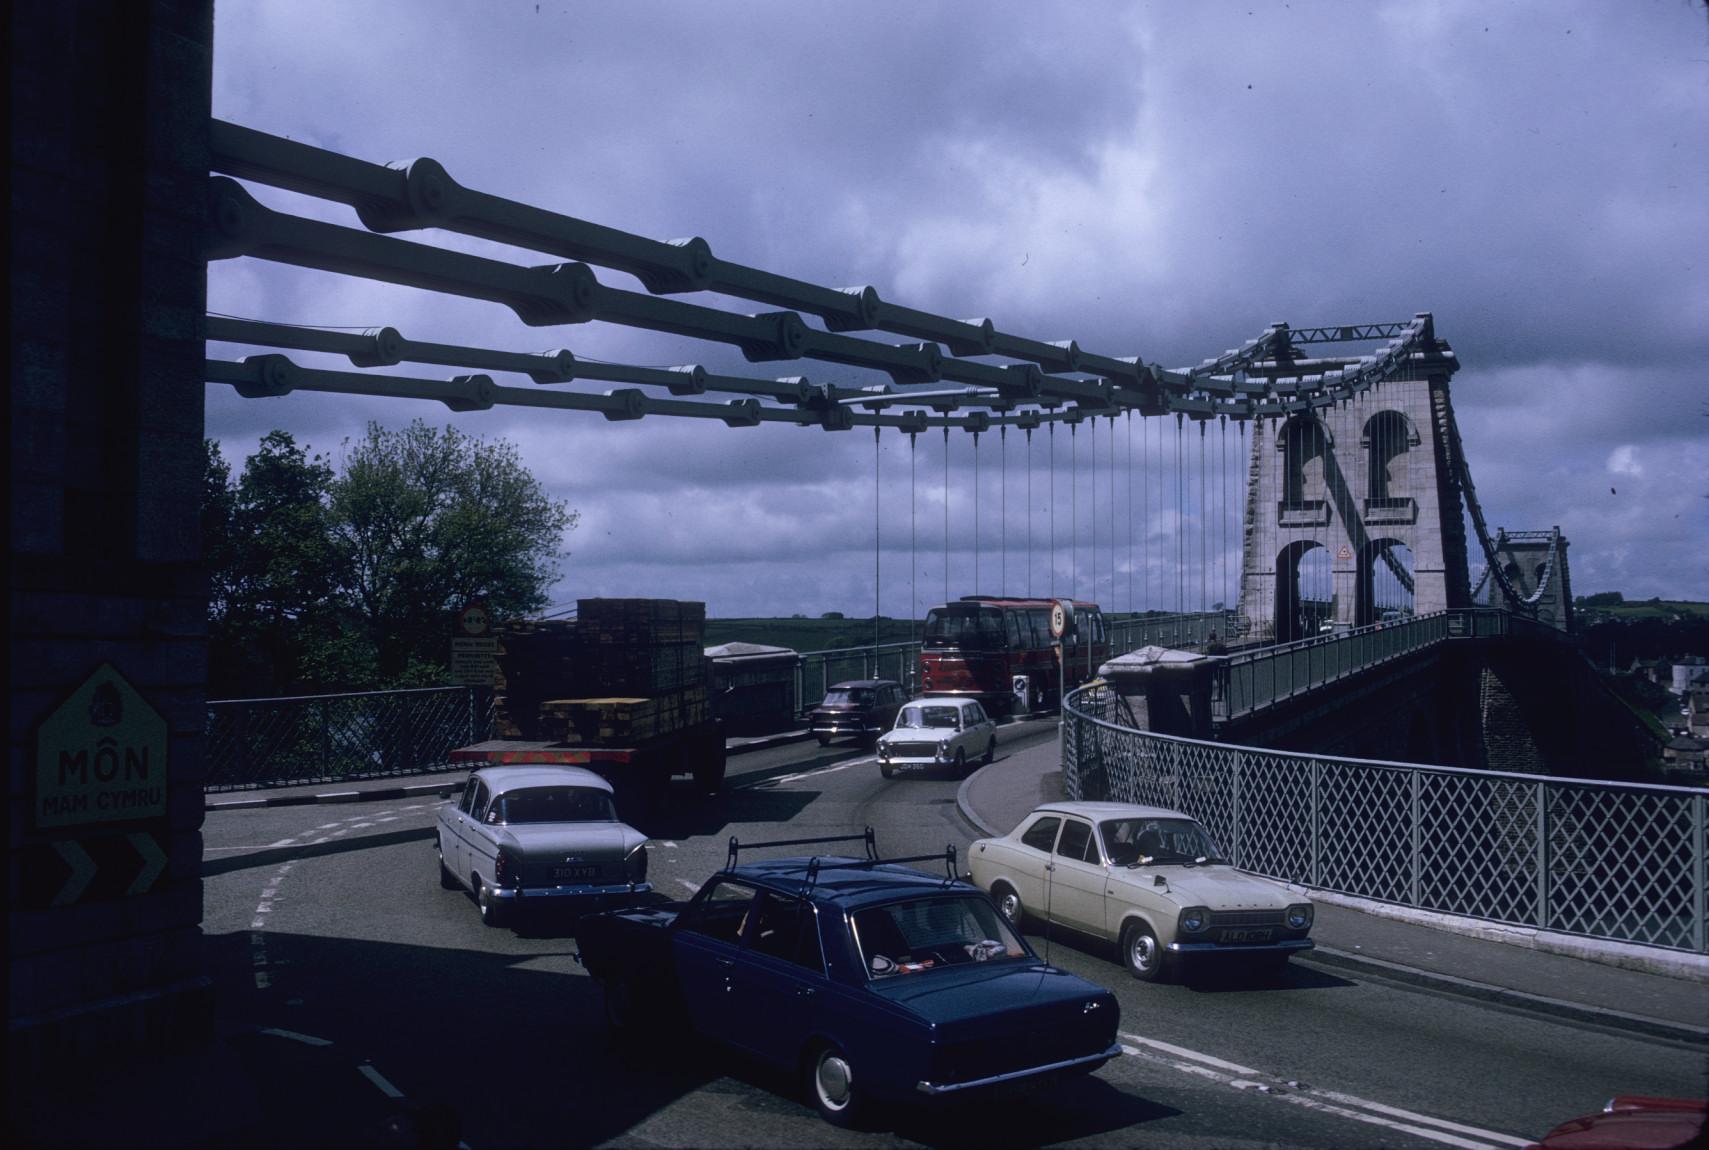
<point x="334" y="738"/>
<point x="1621" y="861"/>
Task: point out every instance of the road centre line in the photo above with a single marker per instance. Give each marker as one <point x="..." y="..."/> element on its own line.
<point x="1325" y="1101"/>
<point x="805" y="774"/>
<point x="378" y="1079"/>
<point x="306" y="1039"/>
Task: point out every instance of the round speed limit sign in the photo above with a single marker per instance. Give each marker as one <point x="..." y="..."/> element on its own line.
<point x="1058" y="619"/>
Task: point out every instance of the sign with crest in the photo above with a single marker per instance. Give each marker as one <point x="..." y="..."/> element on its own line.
<point x="101" y="756"/>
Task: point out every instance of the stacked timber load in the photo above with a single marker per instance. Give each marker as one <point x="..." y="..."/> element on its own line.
<point x="620" y="721"/>
<point x="625" y="670"/>
<point x="536" y="661"/>
<point x="641" y="646"/>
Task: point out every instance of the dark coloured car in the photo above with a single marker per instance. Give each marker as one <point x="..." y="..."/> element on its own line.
<point x="871" y="980"/>
<point x="860" y="708"/>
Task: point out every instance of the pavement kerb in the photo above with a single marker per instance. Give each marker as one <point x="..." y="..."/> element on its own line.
<point x="1503" y="996"/>
<point x="372" y="790"/>
<point x="1627" y="956"/>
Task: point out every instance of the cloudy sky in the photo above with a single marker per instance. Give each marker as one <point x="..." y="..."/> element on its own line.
<point x="1160" y="180"/>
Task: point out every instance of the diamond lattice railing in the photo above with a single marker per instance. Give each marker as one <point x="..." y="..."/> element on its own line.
<point x="328" y="738"/>
<point x="1616" y="861"/>
<point x="1478" y="846"/>
<point x="1623" y="864"/>
<point x="1364" y="830"/>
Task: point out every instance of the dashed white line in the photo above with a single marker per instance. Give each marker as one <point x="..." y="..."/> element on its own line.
<point x="806" y="774"/>
<point x="1324" y="1101"/>
<point x="378" y="1079"/>
<point x="306" y="1039"/>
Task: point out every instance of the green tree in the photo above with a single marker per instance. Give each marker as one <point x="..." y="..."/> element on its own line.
<point x="273" y="569"/>
<point x="428" y="520"/>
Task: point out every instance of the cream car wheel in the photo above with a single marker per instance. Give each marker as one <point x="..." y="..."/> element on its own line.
<point x="1141" y="953"/>
<point x="1009" y="903"/>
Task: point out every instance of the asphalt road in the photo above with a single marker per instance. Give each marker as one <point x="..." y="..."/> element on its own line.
<point x="335" y="943"/>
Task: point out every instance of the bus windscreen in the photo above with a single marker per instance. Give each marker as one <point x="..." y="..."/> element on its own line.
<point x="969" y="626"/>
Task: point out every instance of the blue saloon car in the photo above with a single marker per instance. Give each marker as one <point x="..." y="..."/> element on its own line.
<point x="869" y="978"/>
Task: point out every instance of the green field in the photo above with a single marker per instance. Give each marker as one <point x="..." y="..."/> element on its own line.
<point x="804" y="635"/>
<point x="1633" y="609"/>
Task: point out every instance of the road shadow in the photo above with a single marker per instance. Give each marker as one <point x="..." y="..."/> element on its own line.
<point x="275" y="855"/>
<point x="685" y="815"/>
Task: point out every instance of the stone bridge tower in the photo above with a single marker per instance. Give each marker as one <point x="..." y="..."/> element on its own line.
<point x="1353" y="513"/>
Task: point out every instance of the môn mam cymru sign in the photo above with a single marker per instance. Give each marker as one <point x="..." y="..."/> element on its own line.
<point x="100" y="756"/>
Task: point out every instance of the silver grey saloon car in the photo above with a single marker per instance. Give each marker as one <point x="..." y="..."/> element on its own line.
<point x="530" y="833"/>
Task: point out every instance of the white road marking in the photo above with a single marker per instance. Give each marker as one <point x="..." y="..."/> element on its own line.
<point x="690" y="885"/>
<point x="806" y="774"/>
<point x="379" y="1080"/>
<point x="306" y="1039"/>
<point x="1324" y="1101"/>
<point x="326" y="826"/>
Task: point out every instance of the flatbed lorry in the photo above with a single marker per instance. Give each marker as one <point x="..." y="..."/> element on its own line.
<point x="640" y="773"/>
<point x="620" y="690"/>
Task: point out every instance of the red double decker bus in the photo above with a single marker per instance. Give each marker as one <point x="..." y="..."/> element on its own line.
<point x="979" y="645"/>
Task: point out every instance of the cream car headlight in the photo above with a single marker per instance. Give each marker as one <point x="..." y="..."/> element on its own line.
<point x="1194" y="919"/>
<point x="1299" y="916"/>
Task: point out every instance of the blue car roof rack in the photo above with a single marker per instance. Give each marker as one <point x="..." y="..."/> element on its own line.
<point x="947" y="855"/>
<point x="865" y="837"/>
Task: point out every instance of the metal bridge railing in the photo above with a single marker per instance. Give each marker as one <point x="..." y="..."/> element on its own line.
<point x="1252" y="680"/>
<point x="1621" y="861"/>
<point x="815" y="671"/>
<point x="332" y="738"/>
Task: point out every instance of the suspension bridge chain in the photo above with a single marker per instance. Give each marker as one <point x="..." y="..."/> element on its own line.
<point x="1462" y="473"/>
<point x="1056" y="379"/>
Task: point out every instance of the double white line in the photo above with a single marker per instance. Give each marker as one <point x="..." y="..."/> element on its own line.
<point x="1326" y="1101"/>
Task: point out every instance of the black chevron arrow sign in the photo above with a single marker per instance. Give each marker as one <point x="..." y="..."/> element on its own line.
<point x="67" y="871"/>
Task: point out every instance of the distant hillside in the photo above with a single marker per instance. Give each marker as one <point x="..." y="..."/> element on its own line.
<point x="809" y="634"/>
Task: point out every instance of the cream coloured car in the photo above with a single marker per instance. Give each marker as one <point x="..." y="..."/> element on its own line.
<point x="1148" y="878"/>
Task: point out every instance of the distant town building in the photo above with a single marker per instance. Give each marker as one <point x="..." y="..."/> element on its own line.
<point x="1697" y="712"/>
<point x="1688" y="672"/>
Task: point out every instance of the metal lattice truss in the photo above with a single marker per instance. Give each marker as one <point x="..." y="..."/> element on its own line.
<point x="1044" y="380"/>
<point x="1608" y="860"/>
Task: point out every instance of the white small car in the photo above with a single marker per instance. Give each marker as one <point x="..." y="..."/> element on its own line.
<point x="527" y="833"/>
<point x="934" y="733"/>
<point x="1150" y="879"/>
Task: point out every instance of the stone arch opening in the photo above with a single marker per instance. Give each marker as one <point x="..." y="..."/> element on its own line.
<point x="1305" y="445"/>
<point x="1388" y="438"/>
<point x="1385" y="583"/>
<point x="1305" y="590"/>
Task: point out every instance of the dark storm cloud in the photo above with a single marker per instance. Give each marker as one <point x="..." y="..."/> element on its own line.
<point x="1161" y="181"/>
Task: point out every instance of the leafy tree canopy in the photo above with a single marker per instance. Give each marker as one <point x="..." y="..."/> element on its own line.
<point x="322" y="580"/>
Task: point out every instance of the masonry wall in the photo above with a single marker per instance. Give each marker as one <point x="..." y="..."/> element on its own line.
<point x="108" y="163"/>
<point x="1342" y="519"/>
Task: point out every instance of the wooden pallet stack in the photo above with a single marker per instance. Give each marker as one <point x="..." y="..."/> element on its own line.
<point x="627" y="670"/>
